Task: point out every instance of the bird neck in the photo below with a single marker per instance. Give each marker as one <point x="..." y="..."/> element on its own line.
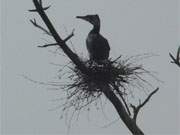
<point x="96" y="29"/>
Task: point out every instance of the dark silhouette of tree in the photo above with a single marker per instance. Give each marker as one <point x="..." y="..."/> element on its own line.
<point x="176" y="60"/>
<point x="104" y="80"/>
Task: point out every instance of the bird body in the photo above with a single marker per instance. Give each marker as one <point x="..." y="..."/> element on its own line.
<point x="97" y="46"/>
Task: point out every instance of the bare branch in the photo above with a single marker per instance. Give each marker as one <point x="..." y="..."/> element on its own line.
<point x="47" y="45"/>
<point x="126" y="106"/>
<point x="178" y="53"/>
<point x="137" y="109"/>
<point x="122" y="98"/>
<point x="177" y="59"/>
<point x="147" y="99"/>
<point x="43" y="8"/>
<point x="130" y="123"/>
<point x="74" y="57"/>
<point x="40" y="27"/>
<point x="64" y="41"/>
<point x="117" y="59"/>
<point x="40" y="2"/>
<point x="70" y="36"/>
<point x="172" y="57"/>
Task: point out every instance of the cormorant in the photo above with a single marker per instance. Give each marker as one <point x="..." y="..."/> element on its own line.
<point x="97" y="46"/>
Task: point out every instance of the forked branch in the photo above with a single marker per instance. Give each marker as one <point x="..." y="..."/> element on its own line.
<point x="43" y="8"/>
<point x="74" y="58"/>
<point x="40" y="27"/>
<point x="177" y="59"/>
<point x="136" y="109"/>
<point x="56" y="44"/>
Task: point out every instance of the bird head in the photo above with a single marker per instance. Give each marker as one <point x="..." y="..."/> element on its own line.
<point x="93" y="19"/>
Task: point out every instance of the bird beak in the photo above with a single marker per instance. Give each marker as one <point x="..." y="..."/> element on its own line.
<point x="81" y="17"/>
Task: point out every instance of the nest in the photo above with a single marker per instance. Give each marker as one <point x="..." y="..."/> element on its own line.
<point x="84" y="89"/>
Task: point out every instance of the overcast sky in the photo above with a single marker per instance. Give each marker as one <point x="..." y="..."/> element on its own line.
<point x="131" y="26"/>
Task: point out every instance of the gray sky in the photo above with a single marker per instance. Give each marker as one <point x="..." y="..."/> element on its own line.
<point x="131" y="27"/>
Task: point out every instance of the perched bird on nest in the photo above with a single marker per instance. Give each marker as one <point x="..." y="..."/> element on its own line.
<point x="97" y="46"/>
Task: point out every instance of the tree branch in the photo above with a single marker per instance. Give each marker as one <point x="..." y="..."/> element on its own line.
<point x="64" y="41"/>
<point x="137" y="109"/>
<point x="47" y="45"/>
<point x="74" y="58"/>
<point x="177" y="59"/>
<point x="122" y="98"/>
<point x="130" y="123"/>
<point x="40" y="27"/>
<point x="45" y="8"/>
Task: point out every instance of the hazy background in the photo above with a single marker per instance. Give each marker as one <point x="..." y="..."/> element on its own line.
<point x="131" y="27"/>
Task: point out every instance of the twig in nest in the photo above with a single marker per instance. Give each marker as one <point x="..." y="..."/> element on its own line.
<point x="137" y="109"/>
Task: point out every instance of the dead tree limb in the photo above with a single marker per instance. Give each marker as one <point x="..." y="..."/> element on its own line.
<point x="41" y="4"/>
<point x="73" y="57"/>
<point x="122" y="98"/>
<point x="40" y="27"/>
<point x="129" y="122"/>
<point x="177" y="59"/>
<point x="137" y="109"/>
<point x="47" y="45"/>
<point x="64" y="41"/>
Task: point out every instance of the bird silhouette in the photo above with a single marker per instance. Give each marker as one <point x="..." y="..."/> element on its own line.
<point x="97" y="46"/>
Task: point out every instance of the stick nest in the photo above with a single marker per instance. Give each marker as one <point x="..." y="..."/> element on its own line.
<point x="119" y="74"/>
